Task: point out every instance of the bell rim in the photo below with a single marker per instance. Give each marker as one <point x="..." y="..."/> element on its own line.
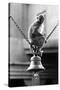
<point x="35" y="68"/>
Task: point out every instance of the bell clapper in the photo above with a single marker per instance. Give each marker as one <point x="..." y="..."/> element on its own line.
<point x="35" y="75"/>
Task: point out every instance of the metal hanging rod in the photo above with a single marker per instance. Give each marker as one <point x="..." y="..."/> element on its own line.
<point x="19" y="29"/>
<point x="52" y="31"/>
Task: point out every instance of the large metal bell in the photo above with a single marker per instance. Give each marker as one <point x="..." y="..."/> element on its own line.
<point x="35" y="64"/>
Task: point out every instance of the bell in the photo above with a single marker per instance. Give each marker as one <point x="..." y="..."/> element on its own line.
<point x="35" y="64"/>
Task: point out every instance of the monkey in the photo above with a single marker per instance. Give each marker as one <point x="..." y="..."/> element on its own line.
<point x="35" y="33"/>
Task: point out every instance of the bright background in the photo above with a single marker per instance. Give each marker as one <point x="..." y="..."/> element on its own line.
<point x="24" y="15"/>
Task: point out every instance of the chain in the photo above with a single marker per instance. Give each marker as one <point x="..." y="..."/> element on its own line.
<point x="51" y="32"/>
<point x="19" y="29"/>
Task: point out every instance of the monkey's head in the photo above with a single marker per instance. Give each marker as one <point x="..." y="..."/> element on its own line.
<point x="40" y="19"/>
